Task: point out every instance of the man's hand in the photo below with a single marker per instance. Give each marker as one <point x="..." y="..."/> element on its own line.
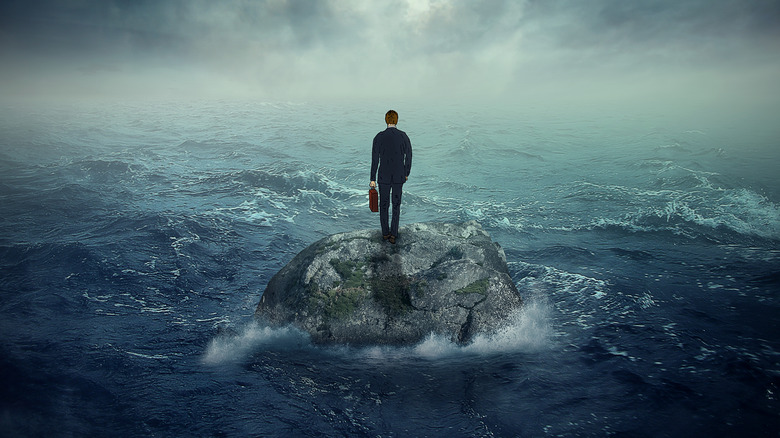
<point x="372" y="184"/>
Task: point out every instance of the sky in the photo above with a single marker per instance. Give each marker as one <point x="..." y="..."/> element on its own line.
<point x="694" y="53"/>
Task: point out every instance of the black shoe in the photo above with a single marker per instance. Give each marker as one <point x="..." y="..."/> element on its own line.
<point x="391" y="239"/>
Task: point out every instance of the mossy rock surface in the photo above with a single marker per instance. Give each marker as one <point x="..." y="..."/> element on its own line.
<point x="355" y="288"/>
<point x="477" y="287"/>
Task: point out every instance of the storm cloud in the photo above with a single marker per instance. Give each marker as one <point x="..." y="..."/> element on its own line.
<point x="533" y="50"/>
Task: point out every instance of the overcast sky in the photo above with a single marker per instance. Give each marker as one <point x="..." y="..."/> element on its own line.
<point x="705" y="51"/>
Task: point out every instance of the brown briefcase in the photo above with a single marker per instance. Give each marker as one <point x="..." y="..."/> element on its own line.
<point x="373" y="200"/>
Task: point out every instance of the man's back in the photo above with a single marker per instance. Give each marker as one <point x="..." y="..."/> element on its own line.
<point x="392" y="153"/>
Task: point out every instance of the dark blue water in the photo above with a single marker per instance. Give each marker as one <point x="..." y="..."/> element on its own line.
<point x="136" y="240"/>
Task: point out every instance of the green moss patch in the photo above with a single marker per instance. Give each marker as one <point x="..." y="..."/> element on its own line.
<point x="351" y="273"/>
<point x="392" y="293"/>
<point x="477" y="287"/>
<point x="325" y="247"/>
<point x="337" y="303"/>
<point x="345" y="296"/>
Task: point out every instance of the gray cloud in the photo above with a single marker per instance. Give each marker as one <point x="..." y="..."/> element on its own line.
<point x="498" y="49"/>
<point x="693" y="23"/>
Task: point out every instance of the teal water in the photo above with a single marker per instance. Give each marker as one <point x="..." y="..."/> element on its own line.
<point x="136" y="241"/>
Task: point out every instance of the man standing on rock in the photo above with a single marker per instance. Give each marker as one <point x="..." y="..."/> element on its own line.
<point x="392" y="154"/>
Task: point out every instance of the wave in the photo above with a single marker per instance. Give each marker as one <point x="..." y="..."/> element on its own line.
<point x="686" y="202"/>
<point x="230" y="149"/>
<point x="693" y="204"/>
<point x="514" y="154"/>
<point x="286" y="179"/>
<point x="736" y="213"/>
<point x="237" y="347"/>
<point x="527" y="329"/>
<point x="106" y="167"/>
<point x="283" y="191"/>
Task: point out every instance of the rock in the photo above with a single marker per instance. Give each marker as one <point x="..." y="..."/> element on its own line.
<point x="449" y="279"/>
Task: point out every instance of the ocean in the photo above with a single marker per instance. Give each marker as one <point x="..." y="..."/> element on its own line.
<point x="136" y="239"/>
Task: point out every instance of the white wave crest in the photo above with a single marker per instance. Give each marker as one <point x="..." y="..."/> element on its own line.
<point x="527" y="329"/>
<point x="236" y="347"/>
<point x="739" y="211"/>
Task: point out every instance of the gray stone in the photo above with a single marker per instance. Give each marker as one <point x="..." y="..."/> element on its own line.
<point x="448" y="279"/>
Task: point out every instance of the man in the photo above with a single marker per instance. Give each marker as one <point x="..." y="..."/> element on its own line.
<point x="392" y="154"/>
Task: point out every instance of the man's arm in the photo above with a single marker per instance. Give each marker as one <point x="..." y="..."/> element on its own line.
<point x="374" y="160"/>
<point x="408" y="156"/>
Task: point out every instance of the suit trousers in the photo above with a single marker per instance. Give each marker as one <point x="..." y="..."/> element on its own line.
<point x="385" y="196"/>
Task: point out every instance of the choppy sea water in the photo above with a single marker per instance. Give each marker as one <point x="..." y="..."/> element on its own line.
<point x="136" y="240"/>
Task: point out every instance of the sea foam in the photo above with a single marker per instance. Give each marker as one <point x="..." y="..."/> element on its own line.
<point x="254" y="337"/>
<point x="528" y="329"/>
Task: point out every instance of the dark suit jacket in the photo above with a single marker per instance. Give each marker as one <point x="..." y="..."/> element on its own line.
<point x="392" y="154"/>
